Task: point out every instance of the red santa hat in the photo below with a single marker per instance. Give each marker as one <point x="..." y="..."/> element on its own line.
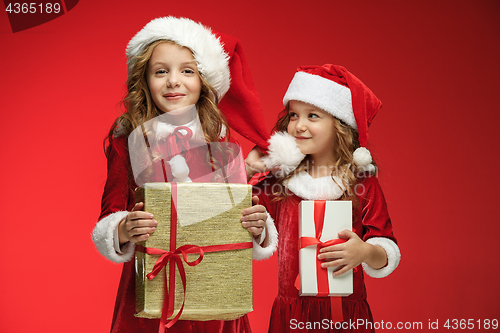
<point x="334" y="89"/>
<point x="221" y="61"/>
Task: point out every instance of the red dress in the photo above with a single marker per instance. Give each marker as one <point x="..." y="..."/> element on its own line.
<point x="291" y="312"/>
<point x="119" y="196"/>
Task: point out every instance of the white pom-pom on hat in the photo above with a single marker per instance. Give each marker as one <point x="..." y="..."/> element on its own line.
<point x="284" y="153"/>
<point x="363" y="160"/>
<point x="362" y="157"/>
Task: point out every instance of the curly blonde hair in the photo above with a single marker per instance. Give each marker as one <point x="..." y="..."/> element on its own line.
<point x="346" y="143"/>
<point x="139" y="105"/>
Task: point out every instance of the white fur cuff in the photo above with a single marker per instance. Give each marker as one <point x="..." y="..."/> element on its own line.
<point x="261" y="253"/>
<point x="393" y="257"/>
<point x="283" y="153"/>
<point x="103" y="237"/>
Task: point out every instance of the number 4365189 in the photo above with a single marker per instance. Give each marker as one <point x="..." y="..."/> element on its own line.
<point x="33" y="8"/>
<point x="470" y="324"/>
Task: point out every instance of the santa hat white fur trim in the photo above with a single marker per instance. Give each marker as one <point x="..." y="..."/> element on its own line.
<point x="393" y="257"/>
<point x="103" y="237"/>
<point x="261" y="253"/>
<point x="208" y="51"/>
<point x="325" y="94"/>
<point x="284" y="153"/>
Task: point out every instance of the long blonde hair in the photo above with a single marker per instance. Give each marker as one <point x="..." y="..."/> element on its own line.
<point x="139" y="106"/>
<point x="344" y="167"/>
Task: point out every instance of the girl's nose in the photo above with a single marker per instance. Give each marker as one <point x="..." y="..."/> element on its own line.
<point x="173" y="80"/>
<point x="301" y="125"/>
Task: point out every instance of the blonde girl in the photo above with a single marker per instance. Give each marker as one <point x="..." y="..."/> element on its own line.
<point x="174" y="65"/>
<point x="318" y="153"/>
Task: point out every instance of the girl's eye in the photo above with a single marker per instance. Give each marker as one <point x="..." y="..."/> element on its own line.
<point x="313" y="115"/>
<point x="160" y="71"/>
<point x="292" y="115"/>
<point x="189" y="71"/>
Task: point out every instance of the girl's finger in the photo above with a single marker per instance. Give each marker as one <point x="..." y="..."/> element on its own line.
<point x="330" y="255"/>
<point x="341" y="271"/>
<point x="141" y="231"/>
<point x="255" y="230"/>
<point x="325" y="256"/>
<point x="141" y="223"/>
<point x="254" y="209"/>
<point x="139" y="215"/>
<point x="138" y="206"/>
<point x="333" y="248"/>
<point x="254" y="217"/>
<point x="139" y="238"/>
<point x="253" y="223"/>
<point x="332" y="263"/>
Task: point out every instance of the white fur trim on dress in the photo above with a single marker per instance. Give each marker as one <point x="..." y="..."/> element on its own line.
<point x="283" y="153"/>
<point x="180" y="169"/>
<point x="309" y="188"/>
<point x="103" y="237"/>
<point x="208" y="51"/>
<point x="325" y="94"/>
<point x="261" y="253"/>
<point x="393" y="257"/>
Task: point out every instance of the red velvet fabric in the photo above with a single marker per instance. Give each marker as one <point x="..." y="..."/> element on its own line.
<point x="118" y="196"/>
<point x="370" y="219"/>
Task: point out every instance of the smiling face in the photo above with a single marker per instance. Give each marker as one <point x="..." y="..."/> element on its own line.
<point x="313" y="129"/>
<point x="172" y="77"/>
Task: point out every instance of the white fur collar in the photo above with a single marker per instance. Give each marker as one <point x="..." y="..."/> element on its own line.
<point x="323" y="188"/>
<point x="163" y="129"/>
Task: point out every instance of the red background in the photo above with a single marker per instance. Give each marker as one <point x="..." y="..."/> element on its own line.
<point x="433" y="64"/>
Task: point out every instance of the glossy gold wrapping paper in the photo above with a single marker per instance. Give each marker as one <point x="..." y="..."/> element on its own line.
<point x="218" y="288"/>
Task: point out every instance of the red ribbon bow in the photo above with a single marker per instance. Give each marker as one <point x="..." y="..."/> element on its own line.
<point x="167" y="256"/>
<point x="177" y="143"/>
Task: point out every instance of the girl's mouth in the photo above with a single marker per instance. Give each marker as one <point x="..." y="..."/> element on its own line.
<point x="173" y="96"/>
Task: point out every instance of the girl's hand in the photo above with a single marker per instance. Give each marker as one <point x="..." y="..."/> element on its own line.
<point x="351" y="253"/>
<point x="253" y="163"/>
<point x="136" y="226"/>
<point x="254" y="218"/>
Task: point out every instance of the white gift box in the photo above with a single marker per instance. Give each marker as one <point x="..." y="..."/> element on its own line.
<point x="314" y="280"/>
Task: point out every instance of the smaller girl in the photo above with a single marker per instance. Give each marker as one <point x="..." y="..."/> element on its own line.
<point x="177" y="70"/>
<point x="318" y="153"/>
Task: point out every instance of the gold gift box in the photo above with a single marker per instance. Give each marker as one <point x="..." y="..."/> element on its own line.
<point x="220" y="286"/>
